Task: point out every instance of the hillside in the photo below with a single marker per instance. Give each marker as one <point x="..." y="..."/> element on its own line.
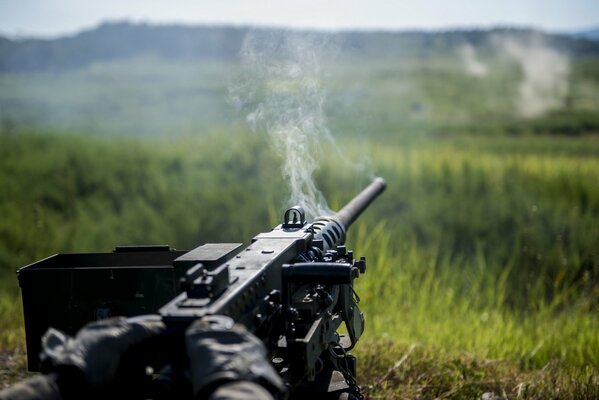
<point x="127" y="79"/>
<point x="122" y="40"/>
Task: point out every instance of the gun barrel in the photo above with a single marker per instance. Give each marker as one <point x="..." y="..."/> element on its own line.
<point x="332" y="229"/>
<point x="352" y="210"/>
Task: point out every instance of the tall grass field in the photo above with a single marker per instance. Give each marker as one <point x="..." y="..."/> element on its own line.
<point x="482" y="253"/>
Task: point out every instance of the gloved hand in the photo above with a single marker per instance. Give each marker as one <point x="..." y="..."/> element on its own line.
<point x="40" y="387"/>
<point x="96" y="353"/>
<point x="221" y="352"/>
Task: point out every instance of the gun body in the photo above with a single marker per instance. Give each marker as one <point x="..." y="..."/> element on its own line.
<point x="292" y="287"/>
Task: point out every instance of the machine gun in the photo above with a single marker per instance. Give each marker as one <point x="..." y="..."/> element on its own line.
<point x="291" y="287"/>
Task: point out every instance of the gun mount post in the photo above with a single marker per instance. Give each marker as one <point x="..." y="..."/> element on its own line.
<point x="352" y="210"/>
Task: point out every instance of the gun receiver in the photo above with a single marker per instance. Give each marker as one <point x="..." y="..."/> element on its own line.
<point x="292" y="287"/>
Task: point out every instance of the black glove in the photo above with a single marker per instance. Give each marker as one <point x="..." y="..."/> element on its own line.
<point x="41" y="387"/>
<point x="221" y="352"/>
<point x="95" y="355"/>
<point x="241" y="391"/>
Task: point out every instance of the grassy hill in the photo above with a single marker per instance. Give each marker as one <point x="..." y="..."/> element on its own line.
<point x="125" y="79"/>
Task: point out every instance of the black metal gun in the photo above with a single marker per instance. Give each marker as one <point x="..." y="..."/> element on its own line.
<point x="292" y="287"/>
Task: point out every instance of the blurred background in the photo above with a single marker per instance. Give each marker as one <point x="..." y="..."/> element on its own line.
<point x="186" y="123"/>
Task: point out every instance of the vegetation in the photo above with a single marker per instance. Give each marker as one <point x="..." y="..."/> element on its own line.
<point x="475" y="253"/>
<point x="483" y="264"/>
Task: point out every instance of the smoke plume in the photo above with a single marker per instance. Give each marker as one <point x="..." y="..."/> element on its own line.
<point x="545" y="72"/>
<point x="472" y="64"/>
<point x="282" y="93"/>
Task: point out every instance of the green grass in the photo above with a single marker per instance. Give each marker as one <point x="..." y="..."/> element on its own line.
<point x="150" y="96"/>
<point x="482" y="254"/>
<point x="414" y="372"/>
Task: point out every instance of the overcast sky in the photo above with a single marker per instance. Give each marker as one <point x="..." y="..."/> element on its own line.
<point x="59" y="17"/>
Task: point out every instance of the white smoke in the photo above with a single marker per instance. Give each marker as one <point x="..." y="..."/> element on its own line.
<point x="472" y="64"/>
<point x="282" y="92"/>
<point x="545" y="71"/>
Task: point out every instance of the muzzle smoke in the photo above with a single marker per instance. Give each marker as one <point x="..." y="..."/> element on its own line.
<point x="281" y="90"/>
